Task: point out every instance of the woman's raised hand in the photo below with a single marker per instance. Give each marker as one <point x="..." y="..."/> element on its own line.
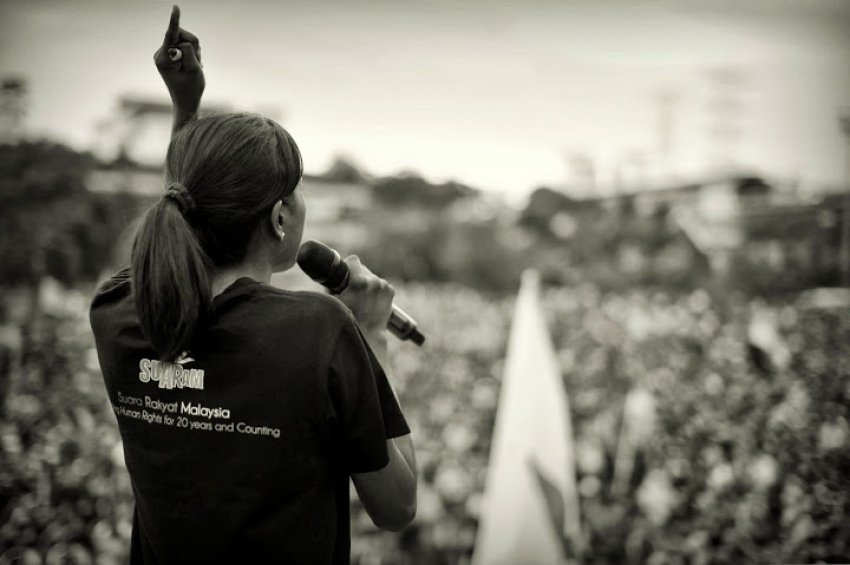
<point x="179" y="63"/>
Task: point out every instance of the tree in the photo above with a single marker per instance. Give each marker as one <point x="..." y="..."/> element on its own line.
<point x="412" y="190"/>
<point x="344" y="169"/>
<point x="52" y="225"/>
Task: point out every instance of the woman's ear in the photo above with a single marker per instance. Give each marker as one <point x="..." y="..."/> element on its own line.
<point x="278" y="220"/>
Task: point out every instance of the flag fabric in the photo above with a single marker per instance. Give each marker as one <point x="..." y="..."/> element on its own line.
<point x="529" y="513"/>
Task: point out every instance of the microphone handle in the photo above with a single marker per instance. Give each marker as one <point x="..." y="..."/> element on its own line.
<point x="404" y="327"/>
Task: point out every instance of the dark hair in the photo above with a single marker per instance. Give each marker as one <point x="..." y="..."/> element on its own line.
<point x="234" y="167"/>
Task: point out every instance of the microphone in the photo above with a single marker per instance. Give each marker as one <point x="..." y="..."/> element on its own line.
<point x="325" y="266"/>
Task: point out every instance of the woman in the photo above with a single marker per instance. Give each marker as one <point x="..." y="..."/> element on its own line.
<point x="244" y="408"/>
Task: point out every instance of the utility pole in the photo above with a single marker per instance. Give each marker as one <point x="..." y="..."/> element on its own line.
<point x="665" y="104"/>
<point x="726" y="108"/>
<point x="844" y="251"/>
<point x="14" y="102"/>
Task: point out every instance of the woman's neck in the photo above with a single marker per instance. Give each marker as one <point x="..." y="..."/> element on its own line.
<point x="226" y="276"/>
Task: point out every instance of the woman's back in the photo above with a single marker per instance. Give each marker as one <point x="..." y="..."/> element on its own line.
<point x="243" y="449"/>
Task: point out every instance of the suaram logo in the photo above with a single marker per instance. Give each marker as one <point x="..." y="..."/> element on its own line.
<point x="170" y="375"/>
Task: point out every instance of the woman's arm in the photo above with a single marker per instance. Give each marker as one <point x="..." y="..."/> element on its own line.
<point x="179" y="63"/>
<point x="377" y="339"/>
<point x="388" y="494"/>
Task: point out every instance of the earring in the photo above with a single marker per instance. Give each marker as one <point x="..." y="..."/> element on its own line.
<point x="281" y="235"/>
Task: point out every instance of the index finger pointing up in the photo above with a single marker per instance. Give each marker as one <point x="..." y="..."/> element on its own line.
<point x="172" y="35"/>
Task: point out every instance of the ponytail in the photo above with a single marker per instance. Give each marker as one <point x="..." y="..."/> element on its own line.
<point x="237" y="166"/>
<point x="171" y="279"/>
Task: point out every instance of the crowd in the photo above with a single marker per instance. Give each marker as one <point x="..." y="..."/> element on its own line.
<point x="708" y="428"/>
<point x="66" y="496"/>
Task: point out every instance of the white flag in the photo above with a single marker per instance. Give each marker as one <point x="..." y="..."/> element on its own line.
<point x="530" y="512"/>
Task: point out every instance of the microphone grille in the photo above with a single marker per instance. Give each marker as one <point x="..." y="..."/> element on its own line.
<point x="322" y="264"/>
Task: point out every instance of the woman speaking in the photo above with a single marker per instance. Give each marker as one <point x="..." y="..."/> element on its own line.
<point x="244" y="408"/>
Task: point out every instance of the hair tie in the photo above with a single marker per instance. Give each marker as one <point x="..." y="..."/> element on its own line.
<point x="180" y="194"/>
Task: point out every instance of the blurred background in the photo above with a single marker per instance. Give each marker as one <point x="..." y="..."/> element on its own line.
<point x="678" y="173"/>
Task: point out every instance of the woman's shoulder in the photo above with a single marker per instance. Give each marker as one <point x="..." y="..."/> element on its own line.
<point x="114" y="288"/>
<point x="315" y="306"/>
<point x="111" y="309"/>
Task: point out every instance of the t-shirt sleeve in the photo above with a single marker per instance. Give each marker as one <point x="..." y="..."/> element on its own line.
<point x="363" y="405"/>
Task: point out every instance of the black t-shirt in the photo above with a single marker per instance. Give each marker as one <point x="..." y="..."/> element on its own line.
<point x="242" y="450"/>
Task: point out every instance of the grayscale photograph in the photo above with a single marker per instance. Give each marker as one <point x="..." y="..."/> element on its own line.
<point x="424" y="282"/>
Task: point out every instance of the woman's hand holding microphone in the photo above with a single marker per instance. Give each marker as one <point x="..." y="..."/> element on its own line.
<point x="370" y="299"/>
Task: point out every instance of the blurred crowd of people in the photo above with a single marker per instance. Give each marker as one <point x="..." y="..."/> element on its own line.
<point x="708" y="429"/>
<point x="66" y="496"/>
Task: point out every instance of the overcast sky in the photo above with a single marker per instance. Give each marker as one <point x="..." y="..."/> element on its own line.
<point x="497" y="95"/>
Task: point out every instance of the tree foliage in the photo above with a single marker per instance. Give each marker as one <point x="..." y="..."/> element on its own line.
<point x="52" y="225"/>
<point x="413" y="190"/>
